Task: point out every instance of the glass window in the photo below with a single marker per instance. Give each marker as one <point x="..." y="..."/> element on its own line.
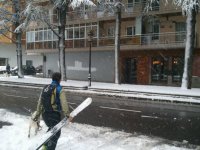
<point x="55" y="37"/>
<point x="40" y="34"/>
<point x="36" y="36"/>
<point x="94" y="29"/>
<point x="50" y="33"/>
<point x="82" y="32"/>
<point x="155" y="5"/>
<point x="76" y="33"/>
<point x="130" y="3"/>
<point x="156" y="30"/>
<point x="30" y="36"/>
<point x="111" y="31"/>
<point x="69" y="33"/>
<point x="45" y="35"/>
<point x="180" y="28"/>
<point x="177" y="69"/>
<point x="159" y="69"/>
<point x="130" y="31"/>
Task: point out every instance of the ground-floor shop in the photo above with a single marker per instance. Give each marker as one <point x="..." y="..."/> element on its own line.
<point x="159" y="67"/>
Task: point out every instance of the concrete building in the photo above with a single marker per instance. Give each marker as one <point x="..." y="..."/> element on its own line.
<point x="152" y="45"/>
<point x="8" y="53"/>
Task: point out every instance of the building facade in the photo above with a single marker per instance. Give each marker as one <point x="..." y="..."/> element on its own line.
<point x="151" y="44"/>
<point x="8" y="54"/>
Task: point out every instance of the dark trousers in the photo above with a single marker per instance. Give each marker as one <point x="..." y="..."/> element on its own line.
<point x="51" y="119"/>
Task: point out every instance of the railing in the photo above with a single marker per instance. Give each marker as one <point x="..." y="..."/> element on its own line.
<point x="129" y="9"/>
<point x="170" y="39"/>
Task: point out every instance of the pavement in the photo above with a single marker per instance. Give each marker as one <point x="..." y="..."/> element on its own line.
<point x="150" y="92"/>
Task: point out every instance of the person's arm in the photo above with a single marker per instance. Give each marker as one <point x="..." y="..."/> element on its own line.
<point x="64" y="103"/>
<point x="38" y="109"/>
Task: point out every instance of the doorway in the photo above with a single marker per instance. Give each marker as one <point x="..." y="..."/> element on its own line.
<point x="131" y="70"/>
<point x="159" y="69"/>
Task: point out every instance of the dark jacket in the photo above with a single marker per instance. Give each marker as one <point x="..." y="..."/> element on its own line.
<point x="59" y="104"/>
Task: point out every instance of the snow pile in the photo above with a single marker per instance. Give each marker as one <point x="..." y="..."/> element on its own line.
<point x="77" y="137"/>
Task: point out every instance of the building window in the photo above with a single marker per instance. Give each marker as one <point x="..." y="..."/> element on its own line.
<point x="180" y="31"/>
<point x="155" y="5"/>
<point x="130" y="31"/>
<point x="39" y="35"/>
<point x="76" y="33"/>
<point x="155" y="30"/>
<point x="30" y="36"/>
<point x="55" y="37"/>
<point x="111" y="31"/>
<point x="2" y="61"/>
<point x="69" y="33"/>
<point x="50" y="35"/>
<point x="130" y="3"/>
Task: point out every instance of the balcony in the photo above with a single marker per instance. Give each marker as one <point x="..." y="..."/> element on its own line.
<point x="170" y="40"/>
<point x="130" y="10"/>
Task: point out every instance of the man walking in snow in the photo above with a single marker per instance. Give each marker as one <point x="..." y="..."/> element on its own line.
<point x="51" y="103"/>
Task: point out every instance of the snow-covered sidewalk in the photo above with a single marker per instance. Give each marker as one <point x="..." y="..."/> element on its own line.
<point x="110" y="86"/>
<point x="80" y="137"/>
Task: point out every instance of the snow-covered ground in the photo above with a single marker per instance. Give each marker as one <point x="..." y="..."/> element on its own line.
<point x="101" y="85"/>
<point x="150" y="92"/>
<point x="79" y="137"/>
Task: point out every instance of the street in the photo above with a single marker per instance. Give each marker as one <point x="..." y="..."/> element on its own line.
<point x="173" y="121"/>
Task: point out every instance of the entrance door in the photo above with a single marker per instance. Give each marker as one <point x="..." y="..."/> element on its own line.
<point x="177" y="69"/>
<point x="130" y="70"/>
<point x="159" y="69"/>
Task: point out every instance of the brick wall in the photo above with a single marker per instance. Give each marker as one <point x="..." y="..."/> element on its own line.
<point x="143" y="70"/>
<point x="196" y="66"/>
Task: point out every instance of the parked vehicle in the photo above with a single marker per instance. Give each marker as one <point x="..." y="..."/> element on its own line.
<point x="39" y="69"/>
<point x="29" y="70"/>
<point x="14" y="71"/>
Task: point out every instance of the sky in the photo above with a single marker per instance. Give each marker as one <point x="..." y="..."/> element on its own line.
<point x="80" y="137"/>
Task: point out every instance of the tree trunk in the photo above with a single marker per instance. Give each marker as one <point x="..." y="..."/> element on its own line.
<point x="19" y="54"/>
<point x="16" y="5"/>
<point x="189" y="50"/>
<point x="61" y="40"/>
<point x="117" y="43"/>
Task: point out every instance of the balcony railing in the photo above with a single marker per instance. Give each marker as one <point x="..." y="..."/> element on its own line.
<point x="100" y="13"/>
<point x="145" y="41"/>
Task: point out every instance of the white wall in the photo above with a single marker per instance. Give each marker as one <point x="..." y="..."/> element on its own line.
<point x="102" y="65"/>
<point x="9" y="51"/>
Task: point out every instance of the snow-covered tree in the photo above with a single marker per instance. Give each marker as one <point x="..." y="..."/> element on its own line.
<point x="10" y="19"/>
<point x="189" y="8"/>
<point x="35" y="11"/>
<point x="115" y="7"/>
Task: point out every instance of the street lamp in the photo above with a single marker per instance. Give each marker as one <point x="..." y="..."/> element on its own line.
<point x="90" y="36"/>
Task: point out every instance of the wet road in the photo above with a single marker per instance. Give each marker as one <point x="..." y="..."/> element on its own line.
<point x="174" y="121"/>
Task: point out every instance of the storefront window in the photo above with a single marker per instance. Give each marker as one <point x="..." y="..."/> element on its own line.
<point x="177" y="69"/>
<point x="159" y="69"/>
